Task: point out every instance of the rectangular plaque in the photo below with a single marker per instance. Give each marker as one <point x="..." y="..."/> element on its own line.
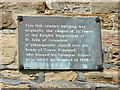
<point x="50" y="42"/>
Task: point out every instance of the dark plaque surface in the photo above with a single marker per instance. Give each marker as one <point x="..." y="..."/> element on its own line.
<point x="59" y="42"/>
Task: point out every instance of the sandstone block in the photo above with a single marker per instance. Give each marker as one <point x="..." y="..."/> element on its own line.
<point x="81" y="77"/>
<point x="22" y="7"/>
<point x="114" y="55"/>
<point x="68" y="7"/>
<point x="9" y="40"/>
<point x="110" y="38"/>
<point x="54" y="86"/>
<point x="66" y="76"/>
<point x="8" y="56"/>
<point x="7" y="21"/>
<point x="40" y="77"/>
<point x="117" y="63"/>
<point x="49" y="86"/>
<point x="103" y="77"/>
<point x="1" y="86"/>
<point x="19" y="87"/>
<point x="15" y="75"/>
<point x="104" y="7"/>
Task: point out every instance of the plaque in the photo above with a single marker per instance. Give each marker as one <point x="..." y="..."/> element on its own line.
<point x="63" y="43"/>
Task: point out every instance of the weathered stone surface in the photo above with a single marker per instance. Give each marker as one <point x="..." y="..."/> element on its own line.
<point x="66" y="76"/>
<point x="115" y="21"/>
<point x="8" y="56"/>
<point x="107" y="65"/>
<point x="7" y="21"/>
<point x="103" y="77"/>
<point x="117" y="63"/>
<point x="9" y="40"/>
<point x="54" y="84"/>
<point x="114" y="55"/>
<point x="49" y="86"/>
<point x="9" y="81"/>
<point x="14" y="66"/>
<point x="106" y="51"/>
<point x="91" y="85"/>
<point x="40" y="77"/>
<point x="107" y="25"/>
<point x="107" y="22"/>
<point x="110" y="21"/>
<point x="22" y="7"/>
<point x="68" y="7"/>
<point x="80" y="84"/>
<point x="104" y="7"/>
<point x="18" y="87"/>
<point x="15" y="75"/>
<point x="1" y="86"/>
<point x="9" y="48"/>
<point x="81" y="77"/>
<point x="110" y="66"/>
<point x="110" y="38"/>
<point x="94" y="85"/>
<point x="112" y="69"/>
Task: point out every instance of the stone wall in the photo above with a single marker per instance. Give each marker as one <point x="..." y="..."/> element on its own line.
<point x="11" y="77"/>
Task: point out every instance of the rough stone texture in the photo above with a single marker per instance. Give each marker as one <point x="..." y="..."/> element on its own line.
<point x="59" y="8"/>
<point x="7" y="21"/>
<point x="115" y="21"/>
<point x="9" y="40"/>
<point x="110" y="44"/>
<point x="60" y="84"/>
<point x="108" y="11"/>
<point x="110" y="41"/>
<point x="22" y="7"/>
<point x="8" y="56"/>
<point x="54" y="86"/>
<point x="81" y="77"/>
<point x="103" y="77"/>
<point x="49" y="86"/>
<point x="1" y="85"/>
<point x="114" y="55"/>
<point x="67" y="76"/>
<point x="16" y="87"/>
<point x="91" y="84"/>
<point x="110" y="38"/>
<point x="104" y="7"/>
<point x="107" y="22"/>
<point x="9" y="48"/>
<point x="40" y="77"/>
<point x="117" y="63"/>
<point x="67" y="7"/>
<point x="15" y="75"/>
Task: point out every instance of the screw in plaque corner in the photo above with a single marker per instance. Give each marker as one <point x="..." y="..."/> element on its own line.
<point x="21" y="67"/>
<point x="100" y="67"/>
<point x="20" y="18"/>
<point x="97" y="19"/>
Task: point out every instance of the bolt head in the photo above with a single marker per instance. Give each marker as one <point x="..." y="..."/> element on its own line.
<point x="100" y="67"/>
<point x="20" y="18"/>
<point x="21" y="67"/>
<point x="97" y="19"/>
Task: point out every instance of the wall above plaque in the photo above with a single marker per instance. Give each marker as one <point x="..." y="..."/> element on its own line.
<point x="50" y="42"/>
